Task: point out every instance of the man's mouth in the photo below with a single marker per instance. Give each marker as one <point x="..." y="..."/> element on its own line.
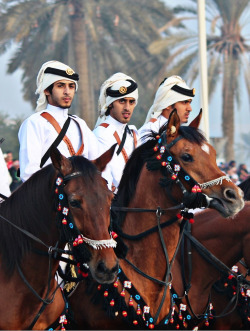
<point x="126" y="115"/>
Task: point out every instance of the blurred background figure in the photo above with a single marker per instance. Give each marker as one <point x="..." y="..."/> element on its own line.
<point x="242" y="172"/>
<point x="9" y="159"/>
<point x="4" y="177"/>
<point x="16" y="181"/>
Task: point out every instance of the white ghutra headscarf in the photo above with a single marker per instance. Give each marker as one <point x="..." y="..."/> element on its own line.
<point x="57" y="71"/>
<point x="116" y="87"/>
<point x="167" y="95"/>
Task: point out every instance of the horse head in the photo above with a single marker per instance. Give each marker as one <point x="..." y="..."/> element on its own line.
<point x="194" y="155"/>
<point x="86" y="216"/>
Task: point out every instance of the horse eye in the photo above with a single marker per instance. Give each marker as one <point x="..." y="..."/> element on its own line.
<point x="187" y="157"/>
<point x="75" y="203"/>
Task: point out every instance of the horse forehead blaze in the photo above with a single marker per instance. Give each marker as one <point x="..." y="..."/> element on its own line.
<point x="205" y="148"/>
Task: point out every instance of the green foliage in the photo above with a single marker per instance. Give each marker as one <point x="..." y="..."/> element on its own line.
<point x="118" y="33"/>
<point x="9" y="131"/>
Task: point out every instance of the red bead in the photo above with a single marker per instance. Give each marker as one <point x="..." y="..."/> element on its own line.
<point x="164" y="163"/>
<point x="155" y="148"/>
<point x="106" y="293"/>
<point x="135" y="322"/>
<point x="112" y="303"/>
<point x="99" y="287"/>
<point x="114" y="235"/>
<point x="80" y="241"/>
<point x="131" y="303"/>
<point x="64" y="221"/>
<point x="75" y="243"/>
<point x="151" y="326"/>
<point x="84" y="274"/>
<point x="174" y="176"/>
<point x="122" y="293"/>
<point x="191" y="221"/>
<point x="115" y="284"/>
<point x="124" y="313"/>
<point x="179" y="216"/>
<point x="59" y="207"/>
<point x="159" y="157"/>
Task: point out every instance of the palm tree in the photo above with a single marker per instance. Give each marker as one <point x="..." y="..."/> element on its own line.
<point x="96" y="38"/>
<point x="228" y="55"/>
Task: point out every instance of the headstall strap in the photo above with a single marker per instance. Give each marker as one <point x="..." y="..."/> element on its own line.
<point x="73" y="175"/>
<point x="68" y="225"/>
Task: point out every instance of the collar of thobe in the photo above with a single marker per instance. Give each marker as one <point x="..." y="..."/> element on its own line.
<point x="57" y="111"/>
<point x="120" y="127"/>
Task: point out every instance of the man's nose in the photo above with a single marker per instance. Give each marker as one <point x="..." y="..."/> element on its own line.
<point x="127" y="106"/>
<point x="66" y="90"/>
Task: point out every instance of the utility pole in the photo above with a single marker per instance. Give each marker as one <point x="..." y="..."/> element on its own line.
<point x="203" y="67"/>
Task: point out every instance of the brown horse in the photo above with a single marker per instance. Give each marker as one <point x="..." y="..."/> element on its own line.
<point x="155" y="186"/>
<point x="223" y="295"/>
<point x="195" y="270"/>
<point x="67" y="201"/>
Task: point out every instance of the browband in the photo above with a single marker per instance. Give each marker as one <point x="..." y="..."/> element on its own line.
<point x="68" y="73"/>
<point x="123" y="90"/>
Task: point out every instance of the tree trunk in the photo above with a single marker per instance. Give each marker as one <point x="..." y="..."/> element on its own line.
<point x="229" y="72"/>
<point x="79" y="44"/>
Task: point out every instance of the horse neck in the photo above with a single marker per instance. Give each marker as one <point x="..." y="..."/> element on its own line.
<point x="224" y="238"/>
<point x="147" y="254"/>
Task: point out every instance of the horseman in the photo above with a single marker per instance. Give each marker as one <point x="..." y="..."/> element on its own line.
<point x="173" y="92"/>
<point x="118" y="98"/>
<point x="57" y="84"/>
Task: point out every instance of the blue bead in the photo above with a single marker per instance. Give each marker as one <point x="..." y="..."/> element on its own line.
<point x="71" y="225"/>
<point x="137" y="297"/>
<point x="60" y="196"/>
<point x="151" y="320"/>
<point x="170" y="158"/>
<point x="187" y="177"/>
<point x="119" y="270"/>
<point x="174" y="295"/>
<point x="159" y="140"/>
<point x="188" y="317"/>
<point x="166" y="321"/>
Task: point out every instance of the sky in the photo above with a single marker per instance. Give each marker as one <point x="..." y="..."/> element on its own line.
<point x="12" y="102"/>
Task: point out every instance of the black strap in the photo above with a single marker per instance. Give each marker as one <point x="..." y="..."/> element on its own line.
<point x="123" y="140"/>
<point x="56" y="142"/>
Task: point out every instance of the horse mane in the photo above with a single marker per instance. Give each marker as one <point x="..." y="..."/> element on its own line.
<point x="245" y="186"/>
<point x="141" y="155"/>
<point x="32" y="207"/>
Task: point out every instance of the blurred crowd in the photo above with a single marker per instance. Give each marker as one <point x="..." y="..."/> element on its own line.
<point x="12" y="165"/>
<point x="237" y="173"/>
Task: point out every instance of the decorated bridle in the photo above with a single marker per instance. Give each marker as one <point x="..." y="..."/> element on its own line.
<point x="166" y="162"/>
<point x="68" y="226"/>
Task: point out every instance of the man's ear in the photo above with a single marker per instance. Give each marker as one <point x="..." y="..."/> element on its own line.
<point x="46" y="92"/>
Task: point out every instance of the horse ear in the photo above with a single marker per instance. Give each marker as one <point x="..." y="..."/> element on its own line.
<point x="173" y="125"/>
<point x="196" y="122"/>
<point x="60" y="162"/>
<point x="104" y="159"/>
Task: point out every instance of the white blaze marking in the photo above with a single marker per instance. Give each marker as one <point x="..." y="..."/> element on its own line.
<point x="205" y="148"/>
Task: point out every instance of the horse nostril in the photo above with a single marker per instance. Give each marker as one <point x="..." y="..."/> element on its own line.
<point x="115" y="269"/>
<point x="101" y="267"/>
<point x="230" y="194"/>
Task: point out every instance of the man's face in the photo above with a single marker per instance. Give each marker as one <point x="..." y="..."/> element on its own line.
<point x="184" y="109"/>
<point x="62" y="94"/>
<point x="122" y="109"/>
